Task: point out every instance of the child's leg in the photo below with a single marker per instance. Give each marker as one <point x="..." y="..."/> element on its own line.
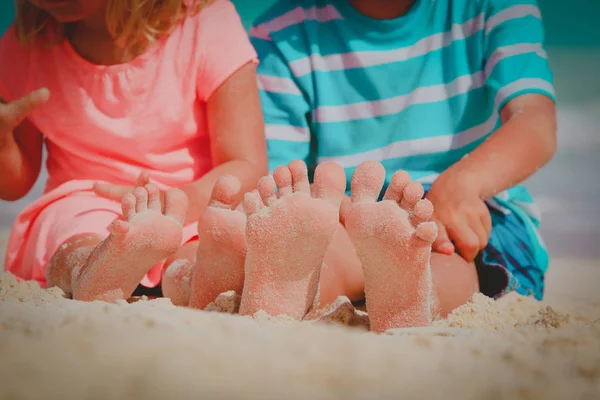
<point x="213" y="264"/>
<point x="112" y="268"/>
<point x="177" y="275"/>
<point x="341" y="273"/>
<point x="288" y="238"/>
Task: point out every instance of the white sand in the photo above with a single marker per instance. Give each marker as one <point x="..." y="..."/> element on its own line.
<point x="516" y="348"/>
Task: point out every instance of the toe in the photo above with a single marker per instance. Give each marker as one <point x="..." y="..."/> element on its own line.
<point x="398" y="183"/>
<point x="299" y="173"/>
<point x="283" y="179"/>
<point x="426" y="232"/>
<point x="128" y="206"/>
<point x="252" y="202"/>
<point x="367" y="182"/>
<point x="153" y="197"/>
<point x="119" y="228"/>
<point x="176" y="205"/>
<point x="266" y="189"/>
<point x="422" y="212"/>
<point x="413" y="192"/>
<point x="141" y="199"/>
<point x="330" y="183"/>
<point x="225" y="192"/>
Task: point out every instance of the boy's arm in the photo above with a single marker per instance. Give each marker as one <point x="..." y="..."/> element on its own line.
<point x="519" y="81"/>
<point x="524" y="143"/>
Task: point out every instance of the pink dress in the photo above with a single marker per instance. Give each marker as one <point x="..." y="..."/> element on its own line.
<point x="109" y="123"/>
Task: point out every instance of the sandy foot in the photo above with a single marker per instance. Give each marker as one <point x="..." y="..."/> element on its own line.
<point x="144" y="237"/>
<point x="393" y="241"/>
<point x="221" y="246"/>
<point x="287" y="238"/>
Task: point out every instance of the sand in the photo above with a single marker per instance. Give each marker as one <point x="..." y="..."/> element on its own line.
<point x="514" y="348"/>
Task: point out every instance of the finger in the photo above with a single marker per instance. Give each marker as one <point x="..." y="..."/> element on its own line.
<point x="442" y="243"/>
<point x="143" y="179"/>
<point x="110" y="191"/>
<point x="19" y="109"/>
<point x="480" y="231"/>
<point x="465" y="240"/>
<point x="486" y="220"/>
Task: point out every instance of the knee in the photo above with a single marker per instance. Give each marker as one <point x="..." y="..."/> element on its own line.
<point x="455" y="281"/>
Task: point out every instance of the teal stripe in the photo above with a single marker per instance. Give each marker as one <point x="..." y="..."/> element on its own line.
<point x="438" y="67"/>
<point x="284" y="109"/>
<point x="283" y="152"/>
<point x="416" y="122"/>
<point x="522" y="30"/>
<point x="520" y="66"/>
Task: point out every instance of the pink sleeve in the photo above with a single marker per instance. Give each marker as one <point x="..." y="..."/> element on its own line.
<point x="223" y="46"/>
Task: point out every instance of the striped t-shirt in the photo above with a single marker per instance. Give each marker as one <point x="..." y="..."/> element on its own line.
<point x="416" y="93"/>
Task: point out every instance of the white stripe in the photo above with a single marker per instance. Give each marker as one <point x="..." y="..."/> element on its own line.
<point x="361" y="59"/>
<point x="514" y="12"/>
<point x="522" y="84"/>
<point x="287" y="132"/>
<point x="530" y="209"/>
<point x="443" y="143"/>
<point x="294" y="17"/>
<point x="508" y="51"/>
<point x="275" y="84"/>
<point x="394" y="105"/>
<point x="494" y="204"/>
<point x="427" y="179"/>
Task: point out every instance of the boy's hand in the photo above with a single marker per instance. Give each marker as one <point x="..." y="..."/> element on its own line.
<point x="463" y="219"/>
<point x="12" y="114"/>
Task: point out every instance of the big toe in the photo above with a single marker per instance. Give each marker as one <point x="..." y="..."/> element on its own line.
<point x="176" y="205"/>
<point x="367" y="182"/>
<point x="225" y="192"/>
<point x="330" y="183"/>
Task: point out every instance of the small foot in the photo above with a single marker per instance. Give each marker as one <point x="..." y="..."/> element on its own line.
<point x="288" y="236"/>
<point x="143" y="238"/>
<point x="393" y="240"/>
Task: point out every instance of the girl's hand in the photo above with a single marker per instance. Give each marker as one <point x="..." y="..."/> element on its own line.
<point x="463" y="219"/>
<point x="12" y="114"/>
<point x="116" y="192"/>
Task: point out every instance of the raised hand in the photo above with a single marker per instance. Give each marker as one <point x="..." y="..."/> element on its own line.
<point x="12" y="114"/>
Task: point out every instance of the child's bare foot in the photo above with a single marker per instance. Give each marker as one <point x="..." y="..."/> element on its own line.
<point x="393" y="240"/>
<point x="221" y="246"/>
<point x="144" y="237"/>
<point x="287" y="238"/>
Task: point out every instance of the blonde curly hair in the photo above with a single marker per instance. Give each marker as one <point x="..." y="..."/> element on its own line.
<point x="133" y="23"/>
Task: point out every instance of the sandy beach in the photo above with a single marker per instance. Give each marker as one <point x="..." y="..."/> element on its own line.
<point x="514" y="348"/>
